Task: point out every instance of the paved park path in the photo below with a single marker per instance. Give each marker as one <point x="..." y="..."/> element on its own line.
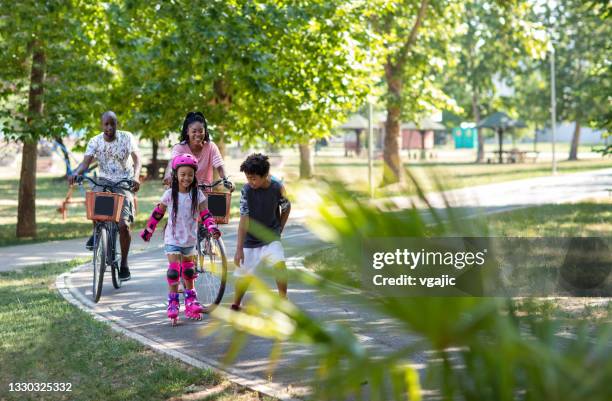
<point x="138" y="308"/>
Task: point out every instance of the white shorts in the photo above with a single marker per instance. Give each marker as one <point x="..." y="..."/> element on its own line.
<point x="268" y="255"/>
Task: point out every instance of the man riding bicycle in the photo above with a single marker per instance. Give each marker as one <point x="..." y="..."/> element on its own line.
<point x="112" y="149"/>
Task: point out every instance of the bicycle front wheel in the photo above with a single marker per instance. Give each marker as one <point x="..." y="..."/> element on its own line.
<point x="212" y="267"/>
<point x="114" y="257"/>
<point x="99" y="263"/>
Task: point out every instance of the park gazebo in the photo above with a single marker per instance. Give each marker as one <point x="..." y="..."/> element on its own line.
<point x="358" y="124"/>
<point x="425" y="129"/>
<point x="500" y="122"/>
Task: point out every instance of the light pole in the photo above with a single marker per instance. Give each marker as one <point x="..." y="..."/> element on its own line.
<point x="553" y="105"/>
<point x="370" y="148"/>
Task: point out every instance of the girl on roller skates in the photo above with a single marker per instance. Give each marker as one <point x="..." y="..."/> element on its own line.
<point x="185" y="204"/>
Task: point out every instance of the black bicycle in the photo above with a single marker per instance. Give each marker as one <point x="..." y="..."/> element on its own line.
<point x="211" y="261"/>
<point x="104" y="208"/>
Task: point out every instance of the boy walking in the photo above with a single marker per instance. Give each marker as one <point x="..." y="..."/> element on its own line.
<point x="264" y="210"/>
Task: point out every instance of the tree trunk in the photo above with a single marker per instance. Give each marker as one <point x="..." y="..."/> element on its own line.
<point x="306" y="161"/>
<point x="26" y="209"/>
<point x="394" y="71"/>
<point x="154" y="173"/>
<point x="221" y="142"/>
<point x="573" y="154"/>
<point x="476" y="113"/>
<point x="392" y="169"/>
<point x="224" y="99"/>
<point x="358" y="142"/>
<point x="392" y="166"/>
<point x="64" y="151"/>
<point x="423" y="151"/>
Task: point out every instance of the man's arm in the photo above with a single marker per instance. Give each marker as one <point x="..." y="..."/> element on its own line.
<point x="285" y="207"/>
<point x="137" y="167"/>
<point x="80" y="168"/>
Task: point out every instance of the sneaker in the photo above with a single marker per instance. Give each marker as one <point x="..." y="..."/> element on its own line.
<point x="89" y="244"/>
<point x="124" y="273"/>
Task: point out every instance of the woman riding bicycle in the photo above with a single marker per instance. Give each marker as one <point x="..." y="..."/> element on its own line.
<point x="195" y="140"/>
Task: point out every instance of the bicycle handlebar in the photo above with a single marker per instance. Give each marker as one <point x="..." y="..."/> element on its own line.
<point x="79" y="180"/>
<point x="226" y="183"/>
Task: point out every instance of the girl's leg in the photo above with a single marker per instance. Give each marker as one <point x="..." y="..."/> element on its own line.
<point x="193" y="308"/>
<point x="173" y="276"/>
<point x="189" y="273"/>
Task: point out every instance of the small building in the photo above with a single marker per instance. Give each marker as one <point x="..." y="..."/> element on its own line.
<point x="465" y="137"/>
<point x="413" y="136"/>
<point x="419" y="136"/>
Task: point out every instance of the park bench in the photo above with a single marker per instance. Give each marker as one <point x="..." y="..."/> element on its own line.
<point x="514" y="156"/>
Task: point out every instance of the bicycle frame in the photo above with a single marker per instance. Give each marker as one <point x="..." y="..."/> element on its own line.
<point x="110" y="229"/>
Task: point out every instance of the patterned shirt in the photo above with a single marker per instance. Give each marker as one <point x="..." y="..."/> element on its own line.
<point x="113" y="157"/>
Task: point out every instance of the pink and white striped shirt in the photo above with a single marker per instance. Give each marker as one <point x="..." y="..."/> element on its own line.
<point x="208" y="158"/>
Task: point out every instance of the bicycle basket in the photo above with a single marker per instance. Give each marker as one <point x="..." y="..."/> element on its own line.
<point x="219" y="206"/>
<point x="104" y="206"/>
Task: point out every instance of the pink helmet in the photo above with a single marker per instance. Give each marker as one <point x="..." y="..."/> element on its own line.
<point x="184" y="159"/>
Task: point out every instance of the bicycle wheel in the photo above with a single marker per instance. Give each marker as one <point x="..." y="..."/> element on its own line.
<point x="212" y="268"/>
<point x="99" y="263"/>
<point x="114" y="257"/>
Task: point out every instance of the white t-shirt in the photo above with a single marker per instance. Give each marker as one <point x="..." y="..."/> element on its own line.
<point x="113" y="157"/>
<point x="186" y="225"/>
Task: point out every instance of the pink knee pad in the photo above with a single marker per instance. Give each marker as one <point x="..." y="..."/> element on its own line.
<point x="189" y="272"/>
<point x="173" y="273"/>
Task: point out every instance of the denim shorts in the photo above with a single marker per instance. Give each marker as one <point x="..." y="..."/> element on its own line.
<point x="180" y="250"/>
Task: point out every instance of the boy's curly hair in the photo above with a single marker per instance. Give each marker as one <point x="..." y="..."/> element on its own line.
<point x="256" y="163"/>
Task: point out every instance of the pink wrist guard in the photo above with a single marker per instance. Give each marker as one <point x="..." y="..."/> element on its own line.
<point x="209" y="221"/>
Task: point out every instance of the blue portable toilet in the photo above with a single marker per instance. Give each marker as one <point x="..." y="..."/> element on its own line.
<point x="465" y="136"/>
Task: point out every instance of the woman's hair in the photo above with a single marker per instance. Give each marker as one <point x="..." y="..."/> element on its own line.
<point x="256" y="163"/>
<point x="193" y="191"/>
<point x="192" y="117"/>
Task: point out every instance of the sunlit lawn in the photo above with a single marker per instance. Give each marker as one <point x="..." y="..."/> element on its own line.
<point x="44" y="339"/>
<point x="354" y="173"/>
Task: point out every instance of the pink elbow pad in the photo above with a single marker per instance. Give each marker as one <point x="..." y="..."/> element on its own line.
<point x="154" y="219"/>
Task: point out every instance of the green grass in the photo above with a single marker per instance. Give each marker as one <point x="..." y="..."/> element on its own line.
<point x="354" y="172"/>
<point x="43" y="338"/>
<point x="50" y="192"/>
<point x="584" y="219"/>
